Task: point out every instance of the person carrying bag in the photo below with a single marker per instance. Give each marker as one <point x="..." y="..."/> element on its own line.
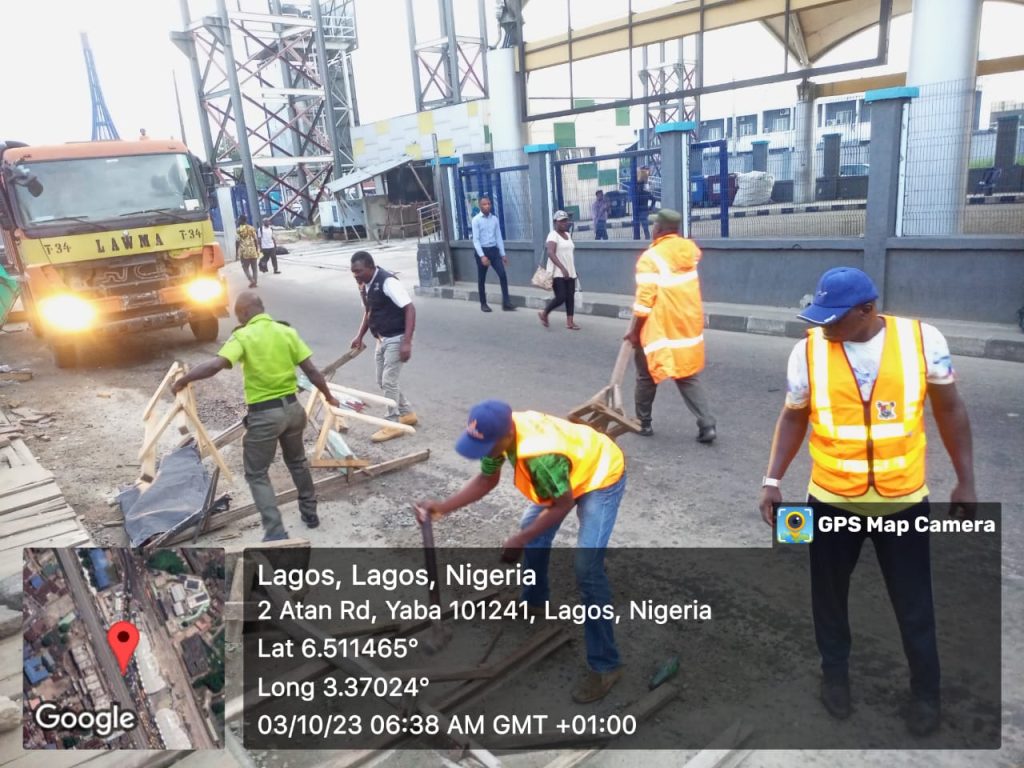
<point x="562" y="269"/>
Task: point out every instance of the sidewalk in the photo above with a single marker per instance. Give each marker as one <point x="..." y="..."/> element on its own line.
<point x="995" y="341"/>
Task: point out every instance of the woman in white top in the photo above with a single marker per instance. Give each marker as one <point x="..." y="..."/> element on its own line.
<point x="268" y="244"/>
<point x="562" y="268"/>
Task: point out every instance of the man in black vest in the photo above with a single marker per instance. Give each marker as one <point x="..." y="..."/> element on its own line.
<point x="391" y="317"/>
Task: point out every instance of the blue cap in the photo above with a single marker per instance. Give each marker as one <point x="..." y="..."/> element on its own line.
<point x="839" y="290"/>
<point x="488" y="422"/>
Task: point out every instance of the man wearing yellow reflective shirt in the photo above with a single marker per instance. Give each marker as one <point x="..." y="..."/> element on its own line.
<point x="859" y="381"/>
<point x="557" y="465"/>
<point x="269" y="352"/>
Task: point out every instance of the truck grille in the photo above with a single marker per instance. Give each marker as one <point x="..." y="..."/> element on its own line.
<point x="138" y="275"/>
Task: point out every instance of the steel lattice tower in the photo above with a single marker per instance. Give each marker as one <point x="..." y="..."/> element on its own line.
<point x="276" y="97"/>
<point x="102" y="124"/>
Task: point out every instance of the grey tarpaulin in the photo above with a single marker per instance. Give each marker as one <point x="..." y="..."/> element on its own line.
<point x="178" y="492"/>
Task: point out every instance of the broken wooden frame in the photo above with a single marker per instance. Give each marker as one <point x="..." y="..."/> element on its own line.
<point x="604" y="411"/>
<point x="334" y="421"/>
<point x="351" y="469"/>
<point x="183" y="411"/>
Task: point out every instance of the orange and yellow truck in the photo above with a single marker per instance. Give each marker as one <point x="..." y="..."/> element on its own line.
<point x="110" y="237"/>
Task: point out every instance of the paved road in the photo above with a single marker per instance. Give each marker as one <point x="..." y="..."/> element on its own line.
<point x="680" y="493"/>
<point x="83" y="600"/>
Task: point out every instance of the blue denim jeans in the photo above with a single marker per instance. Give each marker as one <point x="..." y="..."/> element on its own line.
<point x="597" y="511"/>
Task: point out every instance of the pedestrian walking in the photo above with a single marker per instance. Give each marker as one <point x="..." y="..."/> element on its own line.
<point x="645" y="200"/>
<point x="860" y="380"/>
<point x="247" y="249"/>
<point x="599" y="214"/>
<point x="268" y="245"/>
<point x="269" y="351"/>
<point x="490" y="252"/>
<point x="557" y="465"/>
<point x="388" y="314"/>
<point x="562" y="268"/>
<point x="667" y="330"/>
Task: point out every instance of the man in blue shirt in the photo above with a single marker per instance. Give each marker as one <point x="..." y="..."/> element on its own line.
<point x="490" y="252"/>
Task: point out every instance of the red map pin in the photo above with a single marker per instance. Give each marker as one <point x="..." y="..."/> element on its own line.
<point x="123" y="638"/>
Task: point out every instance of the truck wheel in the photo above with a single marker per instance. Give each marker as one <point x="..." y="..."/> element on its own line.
<point x="65" y="355"/>
<point x="205" y="328"/>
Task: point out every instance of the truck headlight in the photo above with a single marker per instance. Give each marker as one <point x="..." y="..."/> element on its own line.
<point x="67" y="313"/>
<point x="204" y="289"/>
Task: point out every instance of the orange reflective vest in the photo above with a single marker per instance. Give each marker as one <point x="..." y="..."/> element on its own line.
<point x="668" y="296"/>
<point x="595" y="461"/>
<point x="880" y="442"/>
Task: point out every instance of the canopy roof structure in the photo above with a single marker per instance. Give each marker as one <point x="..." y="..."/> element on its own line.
<point x="815" y="27"/>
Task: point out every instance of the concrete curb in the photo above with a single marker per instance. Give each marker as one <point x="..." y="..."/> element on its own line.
<point x="966" y="346"/>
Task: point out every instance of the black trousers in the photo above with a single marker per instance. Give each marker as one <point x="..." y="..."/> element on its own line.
<point x="906" y="567"/>
<point x="693" y="392"/>
<point x="269" y="254"/>
<point x="565" y="293"/>
<point x="494" y="256"/>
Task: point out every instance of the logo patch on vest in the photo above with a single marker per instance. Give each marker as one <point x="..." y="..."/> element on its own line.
<point x="886" y="409"/>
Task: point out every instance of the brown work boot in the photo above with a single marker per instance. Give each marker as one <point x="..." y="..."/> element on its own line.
<point x="409" y="419"/>
<point x="384" y="434"/>
<point x="595" y="685"/>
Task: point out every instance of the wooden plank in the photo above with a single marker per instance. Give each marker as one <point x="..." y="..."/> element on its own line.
<point x="26" y="538"/>
<point x="323" y="485"/>
<point x="339" y="463"/>
<point x="22" y="375"/>
<point x="158" y="430"/>
<point x="24" y="453"/>
<point x="168" y="378"/>
<point x="43" y="508"/>
<point x="9" y="458"/>
<point x="11" y="685"/>
<point x="11" y="527"/>
<point x="204" y="439"/>
<point x="29" y="497"/>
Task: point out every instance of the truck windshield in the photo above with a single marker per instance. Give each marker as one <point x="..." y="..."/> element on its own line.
<point x="98" y="189"/>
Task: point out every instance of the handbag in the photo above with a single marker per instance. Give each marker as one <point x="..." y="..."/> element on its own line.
<point x="542" y="278"/>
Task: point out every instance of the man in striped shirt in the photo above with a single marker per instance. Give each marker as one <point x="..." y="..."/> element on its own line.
<point x="668" y="324"/>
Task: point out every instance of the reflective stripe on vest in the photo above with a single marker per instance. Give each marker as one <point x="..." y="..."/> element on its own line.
<point x="595" y="460"/>
<point x="673" y="339"/>
<point x="853" y="441"/>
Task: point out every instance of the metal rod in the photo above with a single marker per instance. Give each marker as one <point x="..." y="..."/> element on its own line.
<point x="482" y="14"/>
<point x="242" y="134"/>
<point x="197" y="85"/>
<point x="448" y="30"/>
<point x="723" y="186"/>
<point x="415" y="57"/>
<point x="340" y="166"/>
<point x="718" y="88"/>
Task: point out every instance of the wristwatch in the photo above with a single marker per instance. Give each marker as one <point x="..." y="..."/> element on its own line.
<point x="769" y="481"/>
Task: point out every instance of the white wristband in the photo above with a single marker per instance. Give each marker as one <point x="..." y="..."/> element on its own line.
<point x="769" y="481"/>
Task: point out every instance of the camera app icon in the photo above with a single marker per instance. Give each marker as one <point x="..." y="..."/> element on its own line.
<point x="794" y="525"/>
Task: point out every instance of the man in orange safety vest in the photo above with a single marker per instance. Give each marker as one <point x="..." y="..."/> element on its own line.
<point x="860" y="380"/>
<point x="667" y="331"/>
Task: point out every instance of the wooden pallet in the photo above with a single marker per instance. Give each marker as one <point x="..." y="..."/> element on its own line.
<point x="33" y="512"/>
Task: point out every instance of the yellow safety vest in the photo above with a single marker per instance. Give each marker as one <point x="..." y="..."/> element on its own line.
<point x="595" y="461"/>
<point x="668" y="295"/>
<point x="879" y="442"/>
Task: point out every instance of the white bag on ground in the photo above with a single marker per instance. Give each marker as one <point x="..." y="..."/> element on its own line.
<point x="754" y="188"/>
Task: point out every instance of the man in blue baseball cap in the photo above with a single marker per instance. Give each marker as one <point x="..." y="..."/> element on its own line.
<point x="557" y="465"/>
<point x="860" y="380"/>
